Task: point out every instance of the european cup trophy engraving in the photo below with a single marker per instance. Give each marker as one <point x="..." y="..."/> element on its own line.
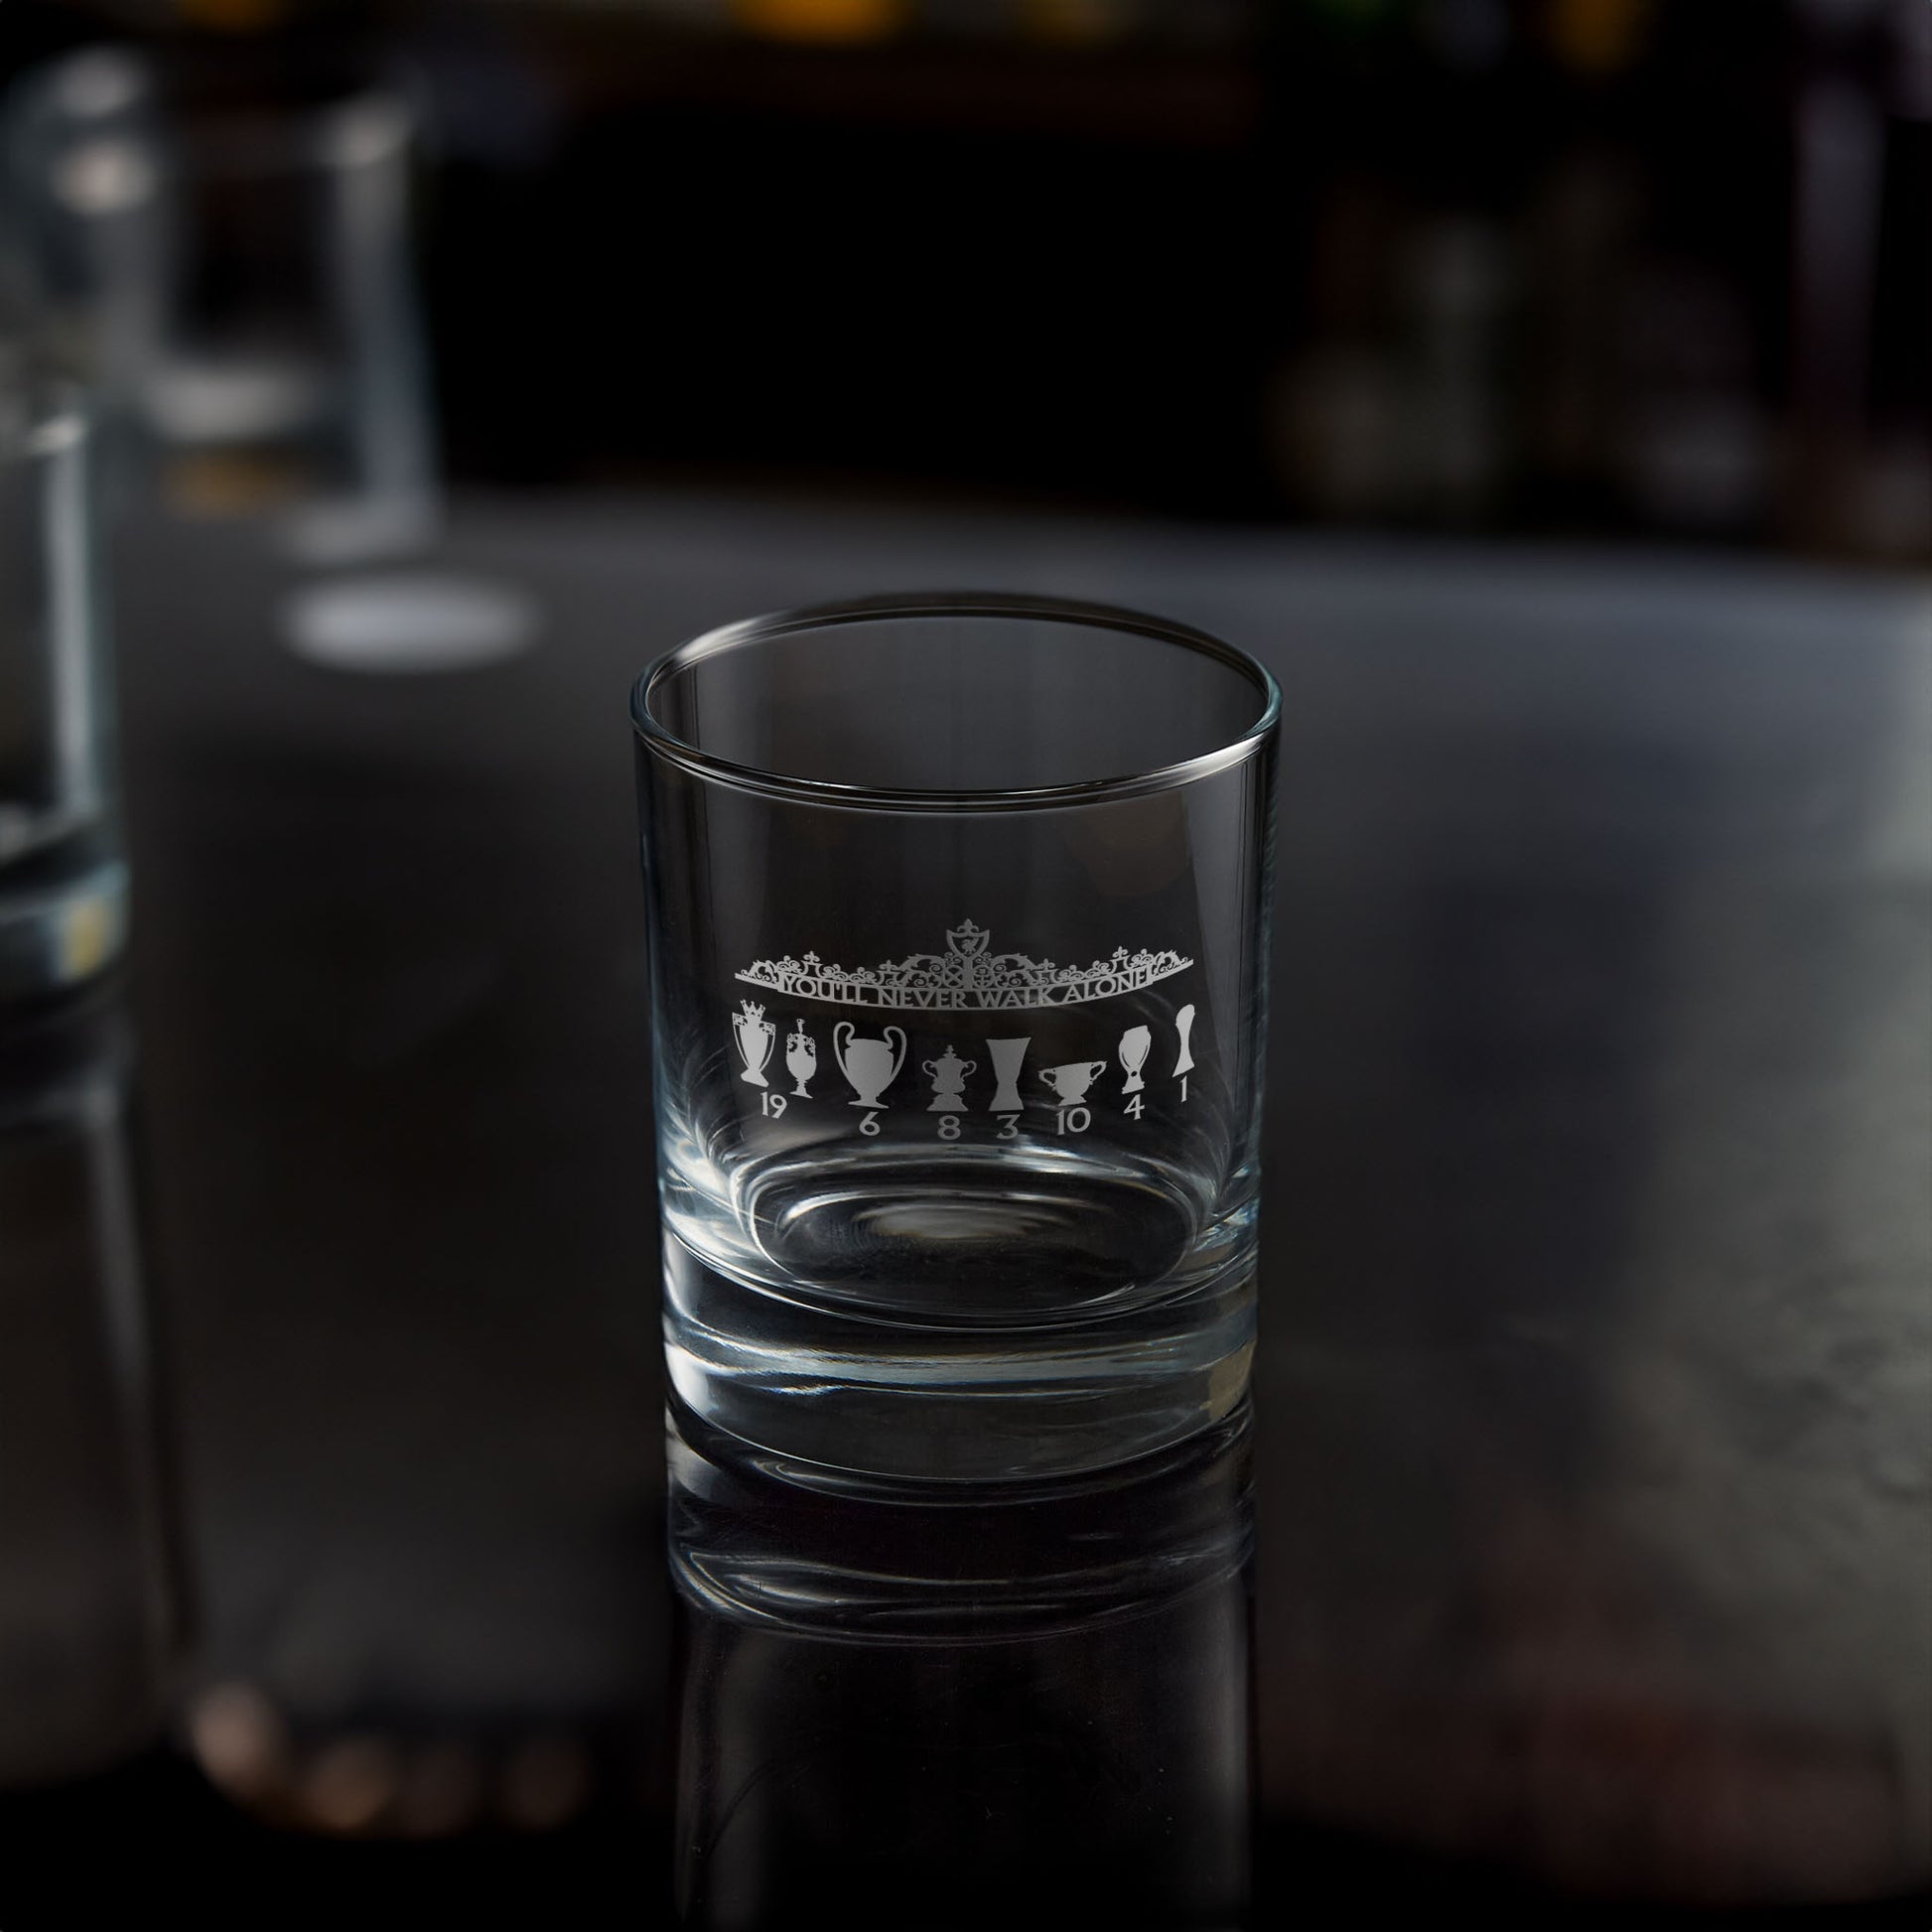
<point x="869" y="1065"/>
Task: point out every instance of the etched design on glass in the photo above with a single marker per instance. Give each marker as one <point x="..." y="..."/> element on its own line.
<point x="869" y="1065"/>
<point x="1183" y="1022"/>
<point x="1135" y="1044"/>
<point x="801" y="1060"/>
<point x="968" y="977"/>
<point x="1071" y="1081"/>
<point x="755" y="1034"/>
<point x="1008" y="1055"/>
<point x="949" y="1073"/>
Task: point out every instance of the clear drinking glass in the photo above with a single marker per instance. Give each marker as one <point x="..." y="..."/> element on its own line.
<point x="224" y="249"/>
<point x="64" y="886"/>
<point x="958" y="912"/>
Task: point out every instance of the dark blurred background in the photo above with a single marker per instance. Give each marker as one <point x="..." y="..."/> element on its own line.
<point x="1596" y="267"/>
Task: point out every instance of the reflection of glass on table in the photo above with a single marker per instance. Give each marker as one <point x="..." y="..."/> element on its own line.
<point x="89" y="1615"/>
<point x="946" y="1705"/>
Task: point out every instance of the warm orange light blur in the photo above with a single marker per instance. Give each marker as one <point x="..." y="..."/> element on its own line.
<point x="1074" y="20"/>
<point x="821" y="20"/>
<point x="1599" y="35"/>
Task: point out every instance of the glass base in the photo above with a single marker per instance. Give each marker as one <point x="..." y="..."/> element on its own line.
<point x="863" y="1393"/>
<point x="61" y="925"/>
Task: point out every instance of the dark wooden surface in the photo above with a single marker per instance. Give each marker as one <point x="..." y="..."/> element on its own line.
<point x="1593" y="1480"/>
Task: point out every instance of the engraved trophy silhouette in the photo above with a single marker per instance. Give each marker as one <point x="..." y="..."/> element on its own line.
<point x="869" y="1065"/>
<point x="1135" y="1044"/>
<point x="1071" y="1081"/>
<point x="801" y="1060"/>
<point x="755" y="1034"/>
<point x="1008" y="1055"/>
<point x="950" y="1076"/>
<point x="1183" y="1022"/>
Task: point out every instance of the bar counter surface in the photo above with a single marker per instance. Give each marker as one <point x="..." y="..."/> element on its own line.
<point x="1592" y="1466"/>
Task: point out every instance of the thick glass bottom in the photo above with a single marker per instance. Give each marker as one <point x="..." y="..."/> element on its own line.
<point x="63" y="918"/>
<point x="856" y="1391"/>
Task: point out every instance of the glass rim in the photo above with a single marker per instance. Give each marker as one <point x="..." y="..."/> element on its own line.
<point x="665" y="743"/>
<point x="361" y="113"/>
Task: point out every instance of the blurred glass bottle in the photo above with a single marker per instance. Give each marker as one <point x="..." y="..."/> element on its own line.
<point x="89" y="1611"/>
<point x="64" y="888"/>
<point x="1396" y="404"/>
<point x="1858" y="83"/>
<point x="1580" y="230"/>
<point x="947" y="1704"/>
<point x="223" y="244"/>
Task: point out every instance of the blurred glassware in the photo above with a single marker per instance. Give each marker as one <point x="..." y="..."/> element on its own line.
<point x="223" y="248"/>
<point x="1695" y="444"/>
<point x="940" y="1706"/>
<point x="1457" y="291"/>
<point x="89" y="1611"/>
<point x="63" y="886"/>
